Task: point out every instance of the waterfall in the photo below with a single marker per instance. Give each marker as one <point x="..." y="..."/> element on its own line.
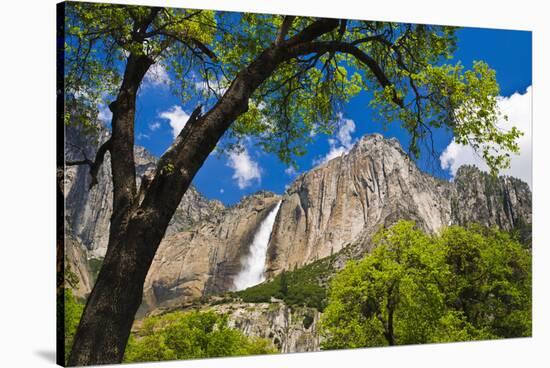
<point x="252" y="268"/>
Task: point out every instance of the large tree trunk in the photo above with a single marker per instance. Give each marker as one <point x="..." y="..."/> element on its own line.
<point x="105" y="325"/>
<point x="117" y="294"/>
<point x="139" y="220"/>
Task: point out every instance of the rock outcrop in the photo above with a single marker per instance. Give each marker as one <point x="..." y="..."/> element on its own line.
<point x="205" y="259"/>
<point x="290" y="329"/>
<point x="481" y="198"/>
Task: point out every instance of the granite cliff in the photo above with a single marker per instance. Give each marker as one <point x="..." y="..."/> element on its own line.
<point x="348" y="198"/>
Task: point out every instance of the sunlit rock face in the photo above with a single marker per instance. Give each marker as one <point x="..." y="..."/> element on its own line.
<point x="350" y="197"/>
<point x="207" y="258"/>
<point x="287" y="327"/>
<point x="346" y="200"/>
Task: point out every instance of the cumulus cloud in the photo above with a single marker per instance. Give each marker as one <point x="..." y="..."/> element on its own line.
<point x="176" y="117"/>
<point x="246" y="170"/>
<point x="518" y="109"/>
<point x="156" y="76"/>
<point x="342" y="142"/>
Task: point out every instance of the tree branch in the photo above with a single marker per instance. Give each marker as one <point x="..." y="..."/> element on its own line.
<point x="314" y="30"/>
<point x="201" y="46"/>
<point x="283" y="31"/>
<point x="94" y="165"/>
<point x="343" y="47"/>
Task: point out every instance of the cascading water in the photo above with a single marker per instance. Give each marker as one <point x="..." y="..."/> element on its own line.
<point x="252" y="271"/>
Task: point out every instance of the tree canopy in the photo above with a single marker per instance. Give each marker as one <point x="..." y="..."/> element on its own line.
<point x="465" y="284"/>
<point x="405" y="66"/>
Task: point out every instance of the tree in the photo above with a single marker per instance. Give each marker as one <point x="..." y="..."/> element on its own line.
<point x="490" y="279"/>
<point x="467" y="284"/>
<point x="271" y="77"/>
<point x="390" y="297"/>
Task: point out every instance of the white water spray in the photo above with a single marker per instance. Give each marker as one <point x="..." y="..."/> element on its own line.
<point x="252" y="271"/>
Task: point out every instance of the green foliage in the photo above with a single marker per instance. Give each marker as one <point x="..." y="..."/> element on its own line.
<point x="100" y="37"/>
<point x="73" y="312"/>
<point x="491" y="279"/>
<point x="176" y="335"/>
<point x="405" y="67"/>
<point x="466" y="284"/>
<point x="71" y="278"/>
<point x="301" y="287"/>
<point x="423" y="91"/>
<point x="189" y="335"/>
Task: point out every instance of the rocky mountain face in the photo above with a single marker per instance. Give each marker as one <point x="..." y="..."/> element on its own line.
<point x="76" y="263"/>
<point x="337" y="205"/>
<point x="206" y="258"/>
<point x="480" y="198"/>
<point x="346" y="200"/>
<point x="89" y="211"/>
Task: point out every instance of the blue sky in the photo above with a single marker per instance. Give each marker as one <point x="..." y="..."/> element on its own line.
<point x="228" y="178"/>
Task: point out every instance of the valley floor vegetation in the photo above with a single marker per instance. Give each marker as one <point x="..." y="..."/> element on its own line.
<point x="464" y="284"/>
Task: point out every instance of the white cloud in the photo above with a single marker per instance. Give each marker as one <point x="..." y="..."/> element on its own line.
<point x="342" y="143"/>
<point x="246" y="170"/>
<point x="176" y="117"/>
<point x="222" y="190"/>
<point x="518" y="109"/>
<point x="157" y="76"/>
<point x="154" y="126"/>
